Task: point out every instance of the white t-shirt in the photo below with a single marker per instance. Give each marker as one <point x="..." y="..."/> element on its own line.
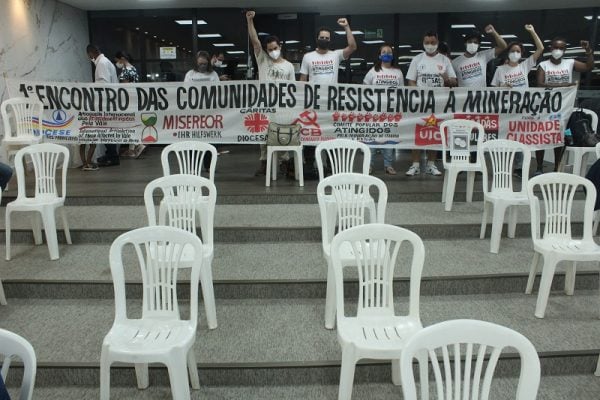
<point x="391" y="77"/>
<point x="471" y="71"/>
<point x="322" y="68"/>
<point x="268" y="70"/>
<point x="105" y="70"/>
<point x="558" y="74"/>
<point x="426" y="70"/>
<point x="514" y="76"/>
<point x="197" y="76"/>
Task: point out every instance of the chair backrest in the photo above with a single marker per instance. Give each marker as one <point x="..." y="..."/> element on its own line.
<point x="14" y="346"/>
<point x="159" y="252"/>
<point x="375" y="248"/>
<point x="341" y="154"/>
<point x="181" y="197"/>
<point x="46" y="159"/>
<point x="557" y="191"/>
<point x="594" y="116"/>
<point x="190" y="158"/>
<point x="352" y="194"/>
<point x="27" y="114"/>
<point x="442" y="341"/>
<point x="502" y="157"/>
<point x="598" y="151"/>
<point x="456" y="137"/>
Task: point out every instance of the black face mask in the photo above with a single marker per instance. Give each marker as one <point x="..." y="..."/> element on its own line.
<point x="323" y="44"/>
<point x="202" y="67"/>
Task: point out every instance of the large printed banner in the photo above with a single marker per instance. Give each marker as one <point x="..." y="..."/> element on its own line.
<point x="239" y="112"/>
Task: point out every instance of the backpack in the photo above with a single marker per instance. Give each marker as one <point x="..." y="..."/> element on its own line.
<point x="580" y="124"/>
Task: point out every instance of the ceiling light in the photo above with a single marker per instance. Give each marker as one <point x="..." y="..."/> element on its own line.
<point x="292" y="41"/>
<point x="223" y="44"/>
<point x="486" y="42"/>
<point x="528" y="45"/>
<point x="404" y="46"/>
<point x="242" y="65"/>
<point x="235" y="52"/>
<point x="590" y="17"/>
<point x="416" y="51"/>
<point x="353" y="32"/>
<point x="263" y="34"/>
<point x="508" y="36"/>
<point x="462" y="26"/>
<point x="373" y="41"/>
<point x="209" y="35"/>
<point x="189" y="22"/>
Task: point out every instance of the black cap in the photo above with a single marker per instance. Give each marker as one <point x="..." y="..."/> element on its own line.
<point x="474" y="34"/>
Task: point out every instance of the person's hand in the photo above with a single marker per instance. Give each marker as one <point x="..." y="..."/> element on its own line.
<point x="343" y="22"/>
<point x="585" y="45"/>
<point x="445" y="77"/>
<point x="529" y="28"/>
<point x="250" y="15"/>
<point x="224" y="78"/>
<point x="489" y="29"/>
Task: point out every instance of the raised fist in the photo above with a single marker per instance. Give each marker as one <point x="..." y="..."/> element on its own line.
<point x="489" y="29"/>
<point x="585" y="45"/>
<point x="343" y="22"/>
<point x="529" y="28"/>
<point x="250" y="14"/>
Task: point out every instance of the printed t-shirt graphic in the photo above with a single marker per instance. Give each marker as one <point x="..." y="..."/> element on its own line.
<point x="390" y="77"/>
<point x="558" y="74"/>
<point x="322" y="68"/>
<point x="426" y="70"/>
<point x="268" y="70"/>
<point x="513" y="76"/>
<point x="196" y="76"/>
<point x="471" y="71"/>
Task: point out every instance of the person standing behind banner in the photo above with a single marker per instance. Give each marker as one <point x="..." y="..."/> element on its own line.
<point x="217" y="64"/>
<point x="513" y="74"/>
<point x="558" y="72"/>
<point x="429" y="69"/>
<point x="470" y="67"/>
<point x="203" y="72"/>
<point x="271" y="67"/>
<point x="384" y="73"/>
<point x="105" y="73"/>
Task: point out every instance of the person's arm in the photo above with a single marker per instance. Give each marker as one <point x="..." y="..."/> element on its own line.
<point x="589" y="64"/>
<point x="351" y="47"/>
<point x="541" y="77"/>
<point x="411" y="74"/>
<point x="304" y="69"/>
<point x="539" y="46"/>
<point x="368" y="80"/>
<point x="252" y="33"/>
<point x="102" y="73"/>
<point x="449" y="75"/>
<point x="500" y="42"/>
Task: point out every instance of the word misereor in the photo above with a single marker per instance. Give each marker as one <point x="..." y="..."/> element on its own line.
<point x="287" y="95"/>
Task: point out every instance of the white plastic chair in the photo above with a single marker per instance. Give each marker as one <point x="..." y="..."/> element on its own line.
<point x="181" y="196"/>
<point x="580" y="154"/>
<point x="457" y="141"/>
<point x="555" y="243"/>
<point x="273" y="164"/>
<point x="376" y="332"/>
<point x="14" y="346"/>
<point x="46" y="158"/>
<point x="341" y="154"/>
<point x="346" y="193"/>
<point x="2" y="295"/>
<point x="596" y="213"/>
<point x="160" y="335"/>
<point x="443" y="343"/>
<point x="190" y="157"/>
<point x="500" y="194"/>
<point x="27" y="114"/>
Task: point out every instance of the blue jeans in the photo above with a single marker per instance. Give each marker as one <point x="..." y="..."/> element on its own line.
<point x="5" y="174"/>
<point x="388" y="156"/>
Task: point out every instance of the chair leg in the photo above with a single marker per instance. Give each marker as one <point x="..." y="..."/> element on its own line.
<point x="268" y="169"/>
<point x="141" y="375"/>
<point x="193" y="369"/>
<point x="63" y="216"/>
<point x="178" y="375"/>
<point x="545" y="285"/>
<point x="208" y="294"/>
<point x="299" y="170"/>
<point x="104" y="375"/>
<point x="497" y="223"/>
<point x="532" y="272"/>
<point x="597" y="373"/>
<point x="486" y="208"/>
<point x="7" y="232"/>
<point x="274" y="166"/>
<point x="596" y="222"/>
<point x="347" y="373"/>
<point x="396" y="378"/>
<point x="470" y="185"/>
<point x="570" y="279"/>
<point x="36" y="228"/>
<point x="330" y="298"/>
<point x="577" y="164"/>
<point x="2" y="295"/>
<point x="444" y="188"/>
<point x="513" y="215"/>
<point x="372" y="213"/>
<point x="423" y="358"/>
<point x="450" y="188"/>
<point x="50" y="229"/>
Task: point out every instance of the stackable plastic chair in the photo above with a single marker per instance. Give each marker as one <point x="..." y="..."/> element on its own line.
<point x="580" y="154"/>
<point x="457" y="141"/>
<point x="457" y="379"/>
<point x="341" y="202"/>
<point x="375" y="332"/>
<point x="27" y="115"/>
<point x="597" y="373"/>
<point x="2" y="295"/>
<point x="500" y="194"/>
<point x="14" y="346"/>
<point x="160" y="335"/>
<point x="555" y="242"/>
<point x="181" y="196"/>
<point x="189" y="156"/>
<point x="46" y="158"/>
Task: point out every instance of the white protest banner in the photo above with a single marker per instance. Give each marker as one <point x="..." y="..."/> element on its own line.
<point x="239" y="112"/>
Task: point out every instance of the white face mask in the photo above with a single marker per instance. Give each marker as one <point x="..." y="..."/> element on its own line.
<point x="218" y="63"/>
<point x="557" y="54"/>
<point x="514" y="56"/>
<point x="472" y="48"/>
<point x="430" y="48"/>
<point x="274" y="54"/>
<point x="120" y="65"/>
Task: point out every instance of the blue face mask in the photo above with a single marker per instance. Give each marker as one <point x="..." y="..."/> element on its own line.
<point x="386" y="58"/>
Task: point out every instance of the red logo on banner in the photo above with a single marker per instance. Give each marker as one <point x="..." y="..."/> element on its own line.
<point x="256" y="122"/>
<point x="310" y="126"/>
<point x="429" y="132"/>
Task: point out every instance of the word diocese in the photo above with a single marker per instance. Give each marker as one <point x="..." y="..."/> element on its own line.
<point x="145" y="97"/>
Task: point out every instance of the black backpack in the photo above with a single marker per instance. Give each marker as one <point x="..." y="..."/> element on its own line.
<point x="580" y="124"/>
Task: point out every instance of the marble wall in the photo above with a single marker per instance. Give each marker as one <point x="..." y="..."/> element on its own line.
<point x="42" y="40"/>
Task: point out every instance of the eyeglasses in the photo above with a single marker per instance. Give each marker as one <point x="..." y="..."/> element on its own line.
<point x="323" y="38"/>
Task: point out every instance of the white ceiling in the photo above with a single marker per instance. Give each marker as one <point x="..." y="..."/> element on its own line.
<point x="339" y="7"/>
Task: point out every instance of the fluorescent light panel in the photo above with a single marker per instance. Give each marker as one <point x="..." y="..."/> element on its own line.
<point x="209" y="35"/>
<point x="373" y="41"/>
<point x="235" y="52"/>
<point x="404" y="46"/>
<point x="223" y="44"/>
<point x="353" y="32"/>
<point x="189" y="22"/>
<point x="292" y="41"/>
<point x="508" y="36"/>
<point x="462" y="26"/>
